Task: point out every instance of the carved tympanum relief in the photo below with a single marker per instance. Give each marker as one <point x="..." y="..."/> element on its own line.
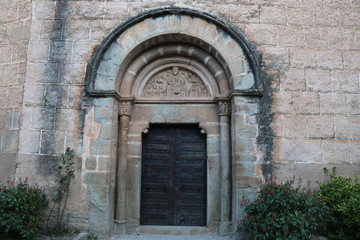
<point x="175" y="83"/>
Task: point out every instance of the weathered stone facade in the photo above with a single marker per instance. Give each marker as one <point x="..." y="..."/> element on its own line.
<point x="274" y="85"/>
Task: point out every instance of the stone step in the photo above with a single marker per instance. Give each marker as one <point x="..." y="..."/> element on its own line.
<point x="170" y="237"/>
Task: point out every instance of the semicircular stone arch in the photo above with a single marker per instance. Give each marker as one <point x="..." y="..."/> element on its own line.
<point x="173" y="66"/>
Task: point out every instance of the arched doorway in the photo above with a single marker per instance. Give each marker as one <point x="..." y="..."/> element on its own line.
<point x="178" y="66"/>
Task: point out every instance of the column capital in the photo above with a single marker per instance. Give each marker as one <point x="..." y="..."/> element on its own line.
<point x="224" y="108"/>
<point x="125" y="108"/>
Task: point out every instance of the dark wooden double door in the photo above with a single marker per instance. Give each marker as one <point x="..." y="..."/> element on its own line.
<point x="173" y="177"/>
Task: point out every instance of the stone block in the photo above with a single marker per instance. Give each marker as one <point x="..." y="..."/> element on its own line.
<point x="350" y="16"/>
<point x="99" y="194"/>
<point x="104" y="82"/>
<point x="10" y="141"/>
<point x="15" y="96"/>
<point x="134" y="148"/>
<point x="61" y="51"/>
<point x="34" y="94"/>
<point x="115" y="54"/>
<point x="77" y="30"/>
<point x="98" y="178"/>
<point x="335" y="151"/>
<point x="68" y="120"/>
<point x="103" y="115"/>
<point x="29" y="142"/>
<point x="116" y="9"/>
<point x="100" y="28"/>
<point x="297" y="150"/>
<point x="306" y="102"/>
<point x="275" y="57"/>
<point x="273" y="15"/>
<point x="313" y="172"/>
<point x="104" y="102"/>
<point x="44" y="72"/>
<point x="302" y="58"/>
<point x="5" y="54"/>
<point x="282" y="102"/>
<point x="318" y="80"/>
<point x="16" y="32"/>
<point x="299" y="15"/>
<point x="244" y="13"/>
<point x="261" y="33"/>
<point x="333" y="103"/>
<point x="87" y="10"/>
<point x="91" y="163"/>
<point x="293" y="80"/>
<point x="15" y="119"/>
<point x="242" y="144"/>
<point x="38" y="50"/>
<point x="351" y="59"/>
<point x="317" y="37"/>
<point x="20" y="52"/>
<point x="48" y="143"/>
<point x="355" y="152"/>
<point x="353" y="104"/>
<point x="242" y="105"/>
<point x="82" y="51"/>
<point x="293" y="125"/>
<point x="213" y="145"/>
<point x="72" y="73"/>
<point x="51" y="29"/>
<point x="104" y="164"/>
<point x="4" y="96"/>
<point x="126" y="41"/>
<point x="341" y="38"/>
<point x="56" y="96"/>
<point x="291" y="35"/>
<point x="42" y="118"/>
<point x="75" y="94"/>
<point x="342" y="80"/>
<point x="106" y="131"/>
<point x="8" y="73"/>
<point x="329" y="59"/>
<point x="347" y="126"/>
<point x="8" y="166"/>
<point x="44" y="10"/>
<point x="247" y="182"/>
<point x="326" y="16"/>
<point x="320" y="126"/>
<point x="100" y="147"/>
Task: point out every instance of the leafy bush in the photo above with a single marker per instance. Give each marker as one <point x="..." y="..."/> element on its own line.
<point x="20" y="207"/>
<point x="282" y="211"/>
<point x="342" y="195"/>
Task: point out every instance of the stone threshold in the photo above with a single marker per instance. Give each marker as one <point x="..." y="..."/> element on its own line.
<point x="173" y="230"/>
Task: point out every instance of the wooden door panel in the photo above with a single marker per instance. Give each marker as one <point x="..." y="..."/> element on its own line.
<point x="173" y="190"/>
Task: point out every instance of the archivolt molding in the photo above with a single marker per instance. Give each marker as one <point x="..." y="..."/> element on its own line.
<point x="215" y="39"/>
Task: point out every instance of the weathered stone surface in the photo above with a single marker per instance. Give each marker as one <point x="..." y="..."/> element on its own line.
<point x="309" y="67"/>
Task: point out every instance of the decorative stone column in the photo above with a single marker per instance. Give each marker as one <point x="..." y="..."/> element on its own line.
<point x="225" y="215"/>
<point x="124" y="112"/>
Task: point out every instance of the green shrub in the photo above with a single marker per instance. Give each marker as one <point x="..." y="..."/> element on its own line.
<point x="20" y="207"/>
<point x="282" y="211"/>
<point x="342" y="195"/>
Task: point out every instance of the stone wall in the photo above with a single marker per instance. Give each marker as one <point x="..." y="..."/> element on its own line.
<point x="15" y="21"/>
<point x="309" y="113"/>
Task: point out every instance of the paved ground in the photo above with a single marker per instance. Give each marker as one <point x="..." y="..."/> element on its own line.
<point x="169" y="237"/>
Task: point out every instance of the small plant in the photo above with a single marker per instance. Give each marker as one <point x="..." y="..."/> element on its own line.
<point x="20" y="210"/>
<point x="64" y="172"/>
<point x="342" y="195"/>
<point x="92" y="236"/>
<point x="281" y="212"/>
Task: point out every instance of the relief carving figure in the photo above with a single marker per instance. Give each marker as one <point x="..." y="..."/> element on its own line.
<point x="175" y="83"/>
